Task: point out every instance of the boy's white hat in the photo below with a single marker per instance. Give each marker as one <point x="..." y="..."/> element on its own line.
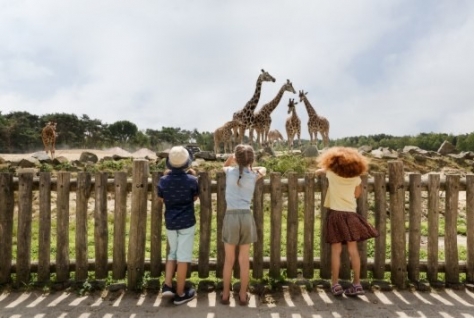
<point x="178" y="157"/>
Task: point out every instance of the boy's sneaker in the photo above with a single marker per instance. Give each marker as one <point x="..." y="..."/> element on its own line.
<point x="167" y="291"/>
<point x="189" y="294"/>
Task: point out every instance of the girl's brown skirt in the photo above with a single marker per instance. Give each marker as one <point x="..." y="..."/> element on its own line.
<point x="342" y="227"/>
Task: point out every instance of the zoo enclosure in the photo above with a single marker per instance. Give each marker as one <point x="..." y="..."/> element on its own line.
<point x="389" y="194"/>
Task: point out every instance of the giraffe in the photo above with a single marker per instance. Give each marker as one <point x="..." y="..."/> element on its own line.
<point x="262" y="118"/>
<point x="293" y="124"/>
<point x="274" y="136"/>
<point x="316" y="123"/>
<point x="48" y="134"/>
<point x="245" y="116"/>
<point x="223" y="134"/>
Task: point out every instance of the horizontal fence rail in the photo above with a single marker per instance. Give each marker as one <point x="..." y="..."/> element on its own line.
<point x="398" y="202"/>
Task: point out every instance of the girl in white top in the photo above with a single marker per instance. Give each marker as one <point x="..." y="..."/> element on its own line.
<point x="239" y="225"/>
<point x="343" y="167"/>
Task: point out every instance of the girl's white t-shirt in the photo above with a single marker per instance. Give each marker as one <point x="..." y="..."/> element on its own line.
<point x="340" y="195"/>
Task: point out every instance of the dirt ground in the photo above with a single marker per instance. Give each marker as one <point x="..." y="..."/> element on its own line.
<point x="315" y="304"/>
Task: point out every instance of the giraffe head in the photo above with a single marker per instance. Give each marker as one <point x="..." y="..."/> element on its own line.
<point x="302" y="95"/>
<point x="265" y="76"/>
<point x="289" y="87"/>
<point x="291" y="105"/>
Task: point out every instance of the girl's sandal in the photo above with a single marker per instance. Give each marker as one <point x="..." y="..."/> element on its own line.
<point x="225" y="301"/>
<point x="354" y="290"/>
<point x="337" y="290"/>
<point x="244" y="302"/>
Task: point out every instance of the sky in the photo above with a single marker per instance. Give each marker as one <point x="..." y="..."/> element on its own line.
<point x="397" y="67"/>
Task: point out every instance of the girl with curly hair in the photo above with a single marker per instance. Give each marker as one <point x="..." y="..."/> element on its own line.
<point x="343" y="167"/>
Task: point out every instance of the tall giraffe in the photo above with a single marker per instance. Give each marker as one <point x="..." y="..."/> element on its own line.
<point x="316" y="123"/>
<point x="262" y="118"/>
<point x="223" y="134"/>
<point x="293" y="124"/>
<point x="245" y="116"/>
<point x="48" y="135"/>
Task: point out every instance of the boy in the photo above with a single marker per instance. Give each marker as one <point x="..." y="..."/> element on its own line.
<point x="178" y="190"/>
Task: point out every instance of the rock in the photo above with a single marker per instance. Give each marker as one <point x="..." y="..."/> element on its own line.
<point x="60" y="160"/>
<point x="206" y="155"/>
<point x="414" y="150"/>
<point x="42" y="157"/>
<point x="385" y="153"/>
<point x="447" y="148"/>
<point x="29" y="162"/>
<point x="365" y="149"/>
<point x="88" y="157"/>
<point x="311" y="151"/>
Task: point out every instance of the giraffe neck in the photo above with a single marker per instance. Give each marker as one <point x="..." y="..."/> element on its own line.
<point x="270" y="106"/>
<point x="252" y="104"/>
<point x="309" y="108"/>
<point x="294" y="116"/>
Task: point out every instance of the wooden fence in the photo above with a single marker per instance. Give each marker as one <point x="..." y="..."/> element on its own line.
<point x="394" y="195"/>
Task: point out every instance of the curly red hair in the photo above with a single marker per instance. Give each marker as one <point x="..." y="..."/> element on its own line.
<point x="344" y="161"/>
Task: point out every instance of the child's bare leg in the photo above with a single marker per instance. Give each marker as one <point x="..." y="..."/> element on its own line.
<point x="169" y="272"/>
<point x="355" y="260"/>
<point x="181" y="277"/>
<point x="244" y="263"/>
<point x="227" y="271"/>
<point x="335" y="262"/>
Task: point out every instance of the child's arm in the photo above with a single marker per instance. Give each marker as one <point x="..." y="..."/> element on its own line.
<point x="229" y="161"/>
<point x="357" y="191"/>
<point x="260" y="170"/>
<point x="320" y="171"/>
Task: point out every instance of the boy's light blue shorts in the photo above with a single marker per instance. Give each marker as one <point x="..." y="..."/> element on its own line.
<point x="181" y="244"/>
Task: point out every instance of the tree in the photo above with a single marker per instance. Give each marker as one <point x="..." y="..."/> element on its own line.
<point x="122" y="131"/>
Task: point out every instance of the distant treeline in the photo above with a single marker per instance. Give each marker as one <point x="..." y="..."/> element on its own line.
<point x="20" y="132"/>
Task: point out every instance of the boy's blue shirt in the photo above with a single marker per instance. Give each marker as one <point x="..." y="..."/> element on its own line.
<point x="178" y="190"/>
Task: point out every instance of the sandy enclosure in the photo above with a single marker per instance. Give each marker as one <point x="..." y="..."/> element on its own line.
<point x="74" y="154"/>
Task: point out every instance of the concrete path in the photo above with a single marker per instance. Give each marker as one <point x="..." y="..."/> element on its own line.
<point x="442" y="303"/>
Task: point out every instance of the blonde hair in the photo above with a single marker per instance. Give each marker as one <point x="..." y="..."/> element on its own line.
<point x="244" y="157"/>
<point x="344" y="161"/>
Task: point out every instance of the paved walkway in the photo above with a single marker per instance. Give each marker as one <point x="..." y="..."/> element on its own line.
<point x="443" y="303"/>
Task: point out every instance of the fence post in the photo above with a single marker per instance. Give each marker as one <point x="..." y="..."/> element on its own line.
<point x="257" y="266"/>
<point x="275" y="224"/>
<point x="156" y="228"/>
<point x="25" y="199"/>
<point x="119" y="263"/>
<point x="433" y="226"/>
<point x="137" y="234"/>
<point x="44" y="236"/>
<point x="308" y="240"/>
<point x="450" y="236"/>
<point x="470" y="227"/>
<point x="62" y="254"/>
<point x="101" y="230"/>
<point x="380" y="200"/>
<point x="292" y="227"/>
<point x="397" y="223"/>
<point x="414" y="236"/>
<point x="84" y="184"/>
<point x="362" y="204"/>
<point x="325" y="248"/>
<point x="6" y="226"/>
<point x="205" y="198"/>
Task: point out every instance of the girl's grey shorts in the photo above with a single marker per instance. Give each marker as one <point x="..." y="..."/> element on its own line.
<point x="239" y="227"/>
